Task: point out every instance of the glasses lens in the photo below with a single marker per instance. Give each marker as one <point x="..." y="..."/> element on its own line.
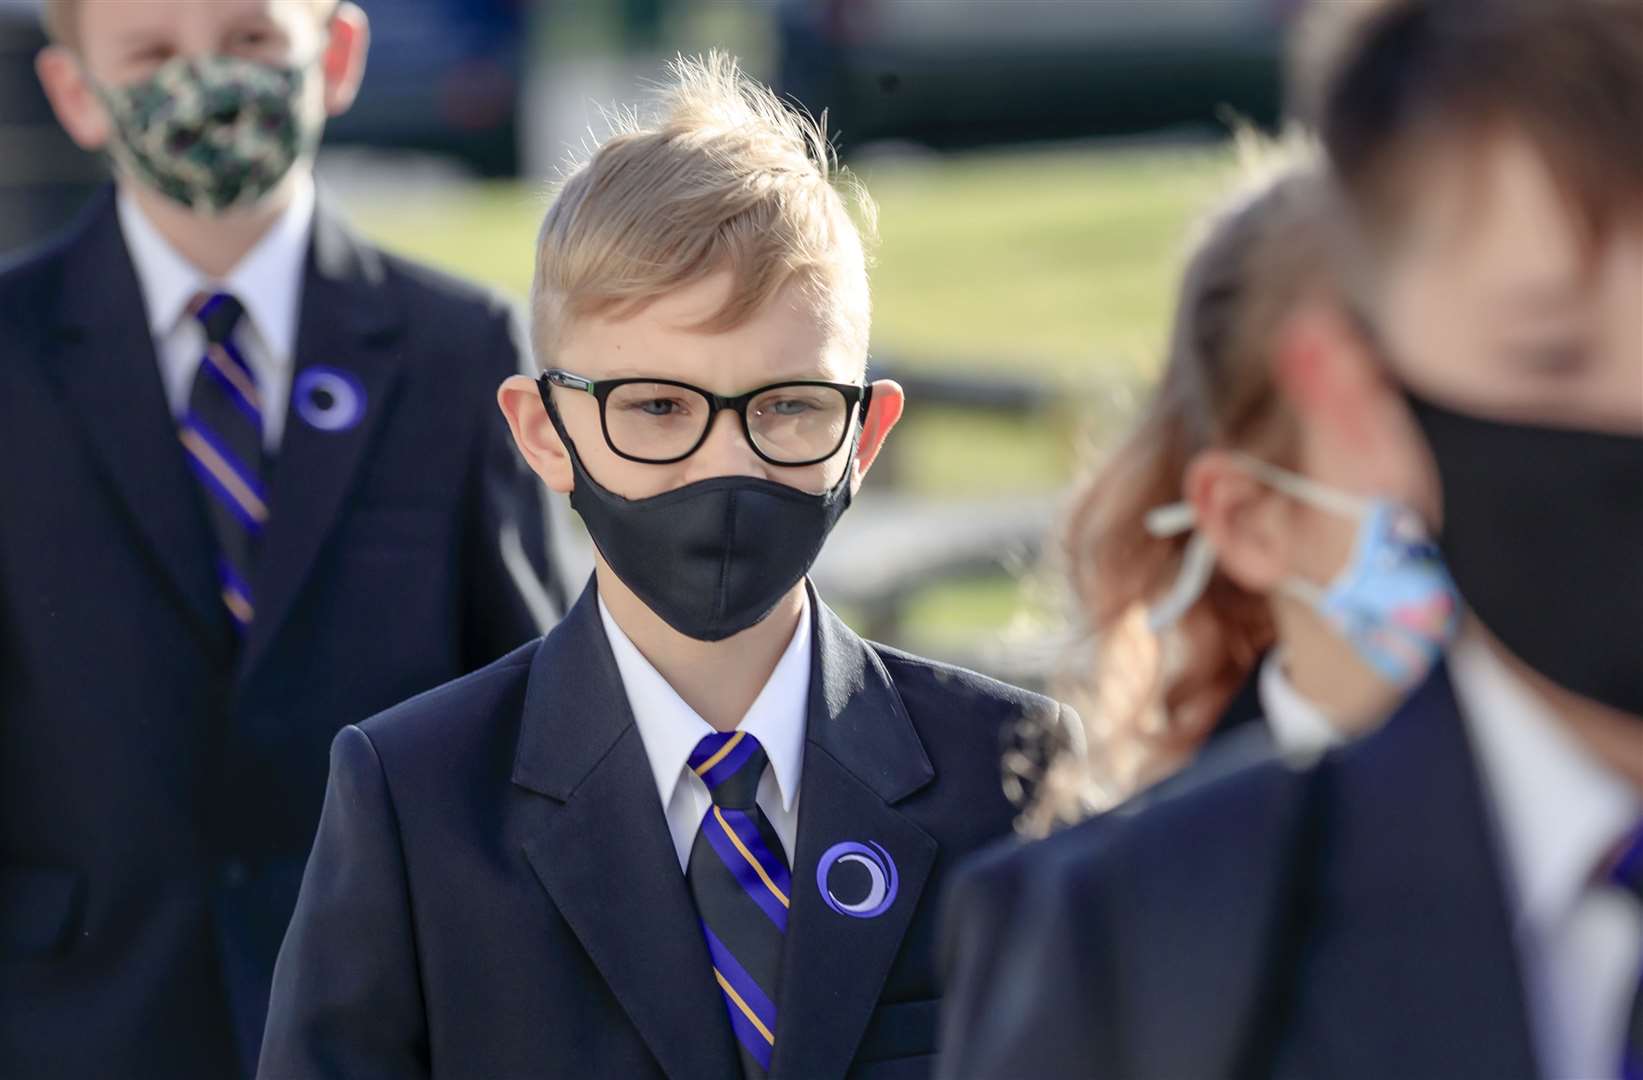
<point x="655" y="421"/>
<point x="798" y="424"/>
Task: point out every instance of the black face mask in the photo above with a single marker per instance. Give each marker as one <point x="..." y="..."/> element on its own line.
<point x="1543" y="533"/>
<point x="714" y="557"/>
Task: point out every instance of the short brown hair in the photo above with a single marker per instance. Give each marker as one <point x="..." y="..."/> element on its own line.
<point x="724" y="176"/>
<point x="1412" y="76"/>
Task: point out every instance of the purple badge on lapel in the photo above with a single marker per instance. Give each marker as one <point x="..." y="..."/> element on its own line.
<point x="328" y="398"/>
<point x="864" y="874"/>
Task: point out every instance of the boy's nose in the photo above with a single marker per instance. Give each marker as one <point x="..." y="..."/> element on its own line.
<point x="725" y="452"/>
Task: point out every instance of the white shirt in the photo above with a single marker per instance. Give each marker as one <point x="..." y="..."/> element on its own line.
<point x="1559" y="814"/>
<point x="670" y="730"/>
<point x="1298" y="727"/>
<point x="267" y="281"/>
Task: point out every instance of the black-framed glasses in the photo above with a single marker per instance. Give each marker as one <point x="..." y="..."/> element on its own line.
<point x="661" y="421"/>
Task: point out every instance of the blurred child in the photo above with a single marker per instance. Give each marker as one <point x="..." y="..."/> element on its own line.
<point x="698" y="830"/>
<point x="1245" y="583"/>
<point x="251" y="489"/>
<point x="1457" y="893"/>
<point x="1230" y="566"/>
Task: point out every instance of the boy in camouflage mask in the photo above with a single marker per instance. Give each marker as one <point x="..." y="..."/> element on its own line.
<point x="253" y="488"/>
<point x="213" y="130"/>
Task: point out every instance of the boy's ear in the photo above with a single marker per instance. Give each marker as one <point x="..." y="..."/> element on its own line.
<point x="77" y="106"/>
<point x="534" y="433"/>
<point x="1242" y="519"/>
<point x="883" y="413"/>
<point x="343" y="60"/>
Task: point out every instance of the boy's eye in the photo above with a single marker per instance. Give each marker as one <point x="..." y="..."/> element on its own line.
<point x="1557" y="359"/>
<point x="656" y="406"/>
<point x="254" y="39"/>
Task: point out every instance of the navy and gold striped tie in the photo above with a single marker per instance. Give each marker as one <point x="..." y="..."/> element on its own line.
<point x="741" y="884"/>
<point x="222" y="433"/>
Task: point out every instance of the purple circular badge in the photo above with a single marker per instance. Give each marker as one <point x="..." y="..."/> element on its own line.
<point x="328" y="398"/>
<point x="882" y="879"/>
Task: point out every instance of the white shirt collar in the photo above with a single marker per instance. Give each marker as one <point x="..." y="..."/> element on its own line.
<point x="670" y="729"/>
<point x="267" y="281"/>
<point x="1298" y="726"/>
<point x="1558" y="810"/>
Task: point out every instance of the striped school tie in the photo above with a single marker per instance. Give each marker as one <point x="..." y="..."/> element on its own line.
<point x="222" y="434"/>
<point x="739" y="879"/>
<point x="1626" y="870"/>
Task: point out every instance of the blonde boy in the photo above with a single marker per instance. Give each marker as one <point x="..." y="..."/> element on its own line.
<point x="698" y="831"/>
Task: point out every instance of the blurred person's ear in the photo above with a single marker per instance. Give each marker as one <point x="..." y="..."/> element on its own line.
<point x="1356" y="431"/>
<point x="534" y="433"/>
<point x="72" y="98"/>
<point x="343" y="60"/>
<point x="883" y="413"/>
<point x="1242" y="518"/>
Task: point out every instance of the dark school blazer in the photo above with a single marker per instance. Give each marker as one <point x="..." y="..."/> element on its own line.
<point x="160" y="783"/>
<point x="494" y="892"/>
<point x="1348" y="919"/>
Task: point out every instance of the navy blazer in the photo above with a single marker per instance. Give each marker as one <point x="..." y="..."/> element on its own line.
<point x="160" y="785"/>
<point x="982" y="911"/>
<point x="1346" y="920"/>
<point x="494" y="892"/>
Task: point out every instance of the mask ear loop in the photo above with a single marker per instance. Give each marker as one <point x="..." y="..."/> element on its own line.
<point x="1304" y="488"/>
<point x="1198" y="561"/>
<point x="1197" y="565"/>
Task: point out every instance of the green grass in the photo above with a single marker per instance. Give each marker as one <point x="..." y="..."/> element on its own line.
<point x="1057" y="262"/>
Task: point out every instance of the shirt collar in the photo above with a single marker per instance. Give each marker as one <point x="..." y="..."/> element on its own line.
<point x="1558" y="810"/>
<point x="267" y="281"/>
<point x="670" y="728"/>
<point x="1298" y="726"/>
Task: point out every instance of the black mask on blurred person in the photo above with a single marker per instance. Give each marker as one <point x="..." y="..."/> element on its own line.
<point x="714" y="557"/>
<point x="1543" y="533"/>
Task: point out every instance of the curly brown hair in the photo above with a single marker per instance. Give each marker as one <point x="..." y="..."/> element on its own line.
<point x="1148" y="702"/>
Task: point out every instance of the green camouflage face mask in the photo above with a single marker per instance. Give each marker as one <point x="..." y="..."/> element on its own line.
<point x="214" y="132"/>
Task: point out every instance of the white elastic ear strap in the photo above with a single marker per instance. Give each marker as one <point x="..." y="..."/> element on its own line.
<point x="1197" y="564"/>
<point x="1303" y="488"/>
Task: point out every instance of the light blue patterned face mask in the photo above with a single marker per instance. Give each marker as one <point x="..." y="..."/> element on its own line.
<point x="1393" y="601"/>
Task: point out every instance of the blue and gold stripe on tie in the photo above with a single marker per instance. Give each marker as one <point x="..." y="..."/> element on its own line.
<point x="221" y="434"/>
<point x="742" y="886"/>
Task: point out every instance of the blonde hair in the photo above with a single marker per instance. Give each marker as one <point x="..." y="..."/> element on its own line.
<point x="1152" y="701"/>
<point x="61" y="19"/>
<point x="723" y="177"/>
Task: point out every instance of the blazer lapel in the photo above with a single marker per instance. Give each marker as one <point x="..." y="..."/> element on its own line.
<point x="1415" y="968"/>
<point x="103" y="362"/>
<point x="862" y="756"/>
<point x="599" y="842"/>
<point x="352" y="322"/>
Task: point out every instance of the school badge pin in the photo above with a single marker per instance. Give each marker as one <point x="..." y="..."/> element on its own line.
<point x="858" y="880"/>
<point x="328" y="398"/>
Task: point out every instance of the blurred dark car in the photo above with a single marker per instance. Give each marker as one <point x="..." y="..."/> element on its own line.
<point x="443" y="76"/>
<point x="964" y="72"/>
